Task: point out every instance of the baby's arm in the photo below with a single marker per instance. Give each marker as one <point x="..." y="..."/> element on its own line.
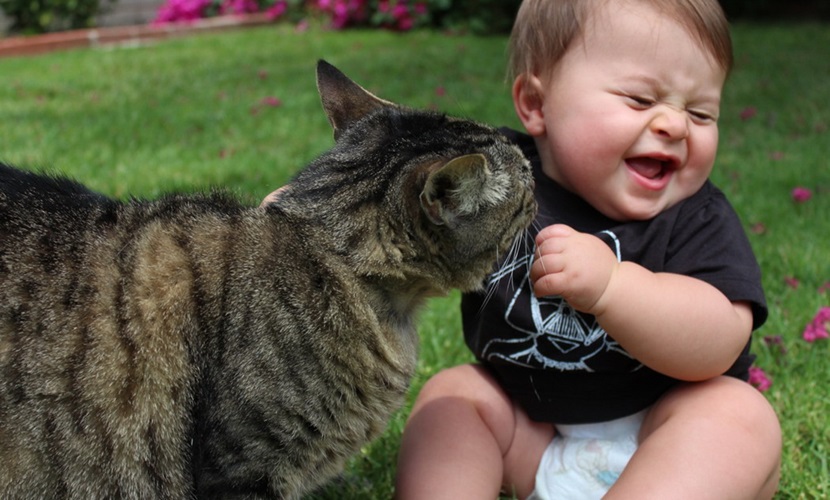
<point x="677" y="325"/>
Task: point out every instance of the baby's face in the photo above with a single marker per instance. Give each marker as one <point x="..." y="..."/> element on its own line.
<point x="630" y="113"/>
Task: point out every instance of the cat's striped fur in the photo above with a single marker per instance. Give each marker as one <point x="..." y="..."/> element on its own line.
<point x="194" y="347"/>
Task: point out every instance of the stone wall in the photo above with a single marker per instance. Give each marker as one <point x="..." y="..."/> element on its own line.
<point x="128" y="12"/>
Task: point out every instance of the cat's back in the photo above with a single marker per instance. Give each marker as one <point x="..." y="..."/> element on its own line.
<point x="44" y="206"/>
<point x="98" y="311"/>
<point x="24" y="189"/>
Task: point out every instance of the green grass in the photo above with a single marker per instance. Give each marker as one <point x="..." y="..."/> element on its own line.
<point x="185" y="115"/>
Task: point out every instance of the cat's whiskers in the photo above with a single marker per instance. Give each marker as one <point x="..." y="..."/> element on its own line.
<point x="511" y="261"/>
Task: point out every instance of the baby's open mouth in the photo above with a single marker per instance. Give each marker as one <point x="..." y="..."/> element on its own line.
<point x="651" y="168"/>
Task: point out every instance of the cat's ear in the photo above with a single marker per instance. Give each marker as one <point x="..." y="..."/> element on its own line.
<point x="457" y="188"/>
<point x="344" y="101"/>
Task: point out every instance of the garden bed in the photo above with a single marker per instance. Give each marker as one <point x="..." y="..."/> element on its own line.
<point x="121" y="35"/>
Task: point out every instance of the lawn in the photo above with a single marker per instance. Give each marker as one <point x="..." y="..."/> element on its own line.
<point x="240" y="110"/>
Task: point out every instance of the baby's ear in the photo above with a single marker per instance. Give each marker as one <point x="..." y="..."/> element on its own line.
<point x="528" y="99"/>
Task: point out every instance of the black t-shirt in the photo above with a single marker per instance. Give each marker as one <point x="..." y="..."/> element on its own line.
<point x="557" y="362"/>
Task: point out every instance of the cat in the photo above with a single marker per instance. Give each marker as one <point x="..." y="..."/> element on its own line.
<point x="192" y="346"/>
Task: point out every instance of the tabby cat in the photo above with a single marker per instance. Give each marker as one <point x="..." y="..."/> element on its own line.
<point x="195" y="347"/>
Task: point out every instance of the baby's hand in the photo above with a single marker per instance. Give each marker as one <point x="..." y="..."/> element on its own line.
<point x="577" y="266"/>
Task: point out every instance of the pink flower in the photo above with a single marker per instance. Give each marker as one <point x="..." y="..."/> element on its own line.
<point x="792" y="282"/>
<point x="239" y="7"/>
<point x="181" y="11"/>
<point x="405" y="23"/>
<point x="748" y="112"/>
<point x="344" y="12"/>
<point x="276" y="10"/>
<point x="400" y="10"/>
<point x="824" y="288"/>
<point x="773" y="340"/>
<point x="269" y="101"/>
<point x="818" y="328"/>
<point x="801" y="194"/>
<point x="776" y="341"/>
<point x="759" y="379"/>
<point x="758" y="228"/>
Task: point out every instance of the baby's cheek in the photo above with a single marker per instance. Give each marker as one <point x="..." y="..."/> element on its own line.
<point x="703" y="149"/>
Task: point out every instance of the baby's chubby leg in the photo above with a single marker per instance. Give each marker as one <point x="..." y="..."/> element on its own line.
<point x="465" y="439"/>
<point x="718" y="439"/>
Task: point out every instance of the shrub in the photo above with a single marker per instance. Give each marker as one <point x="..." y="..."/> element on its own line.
<point x="40" y="16"/>
<point x="394" y="14"/>
<point x="776" y="9"/>
<point x="479" y="16"/>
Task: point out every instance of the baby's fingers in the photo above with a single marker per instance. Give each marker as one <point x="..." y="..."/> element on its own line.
<point x="551" y="233"/>
<point x="545" y="275"/>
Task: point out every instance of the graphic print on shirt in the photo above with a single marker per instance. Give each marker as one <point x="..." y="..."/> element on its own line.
<point x="558" y="336"/>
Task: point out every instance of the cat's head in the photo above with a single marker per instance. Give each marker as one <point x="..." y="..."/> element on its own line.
<point x="415" y="194"/>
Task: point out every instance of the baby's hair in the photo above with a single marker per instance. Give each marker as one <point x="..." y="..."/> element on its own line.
<point x="544" y="30"/>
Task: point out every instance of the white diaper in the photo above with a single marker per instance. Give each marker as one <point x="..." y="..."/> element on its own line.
<point x="584" y="460"/>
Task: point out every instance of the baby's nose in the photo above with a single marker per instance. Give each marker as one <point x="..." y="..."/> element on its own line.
<point x="670" y="123"/>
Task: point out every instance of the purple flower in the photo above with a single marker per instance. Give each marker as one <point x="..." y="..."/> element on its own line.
<point x="400" y="10"/>
<point x="240" y="7"/>
<point x="776" y="342"/>
<point x="181" y="11"/>
<point x="748" y="112"/>
<point x="265" y="102"/>
<point x="344" y="13"/>
<point x="773" y="340"/>
<point x="801" y="194"/>
<point x="758" y="228"/>
<point x="392" y="14"/>
<point x="277" y="10"/>
<point x="759" y="379"/>
<point x="818" y="328"/>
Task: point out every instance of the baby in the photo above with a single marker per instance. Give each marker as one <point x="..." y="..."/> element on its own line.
<point x="612" y="358"/>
